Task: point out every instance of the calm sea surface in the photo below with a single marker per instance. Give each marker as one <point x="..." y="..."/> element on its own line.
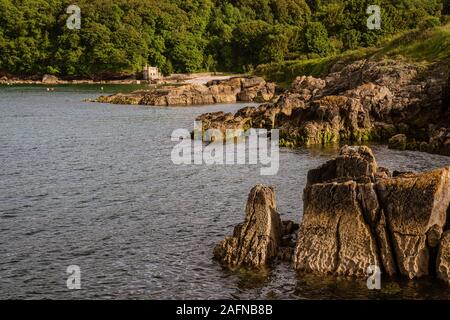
<point x="93" y="185"/>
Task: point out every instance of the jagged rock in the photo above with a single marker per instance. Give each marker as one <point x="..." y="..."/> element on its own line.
<point x="364" y="100"/>
<point x="357" y="163"/>
<point x="120" y="99"/>
<point x="434" y="235"/>
<point x="387" y="255"/>
<point x="357" y="215"/>
<point x="443" y="258"/>
<point x="415" y="206"/>
<point x="398" y="142"/>
<point x="49" y="79"/>
<point x="245" y="89"/>
<point x="333" y="236"/>
<point x="262" y="237"/>
<point x="256" y="242"/>
<point x="307" y="87"/>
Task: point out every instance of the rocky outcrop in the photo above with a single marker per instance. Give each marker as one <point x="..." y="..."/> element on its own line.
<point x="49" y="79"/>
<point x="364" y="100"/>
<point x="357" y="215"/>
<point x="243" y="89"/>
<point x="261" y="238"/>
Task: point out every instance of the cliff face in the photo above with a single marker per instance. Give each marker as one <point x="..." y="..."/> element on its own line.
<point x="365" y="100"/>
<point x="356" y="215"/>
<point x="244" y="89"/>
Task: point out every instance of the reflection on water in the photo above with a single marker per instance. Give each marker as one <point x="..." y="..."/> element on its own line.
<point x="93" y="185"/>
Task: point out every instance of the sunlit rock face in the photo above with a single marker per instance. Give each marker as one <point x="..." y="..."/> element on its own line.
<point x="236" y="89"/>
<point x="261" y="238"/>
<point x="362" y="101"/>
<point x="357" y="215"/>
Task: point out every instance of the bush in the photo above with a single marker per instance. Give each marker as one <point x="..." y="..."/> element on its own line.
<point x="429" y="23"/>
<point x="316" y="39"/>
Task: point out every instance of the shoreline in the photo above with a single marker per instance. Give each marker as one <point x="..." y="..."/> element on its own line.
<point x="179" y="78"/>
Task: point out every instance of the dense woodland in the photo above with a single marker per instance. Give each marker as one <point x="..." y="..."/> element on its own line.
<point x="118" y="37"/>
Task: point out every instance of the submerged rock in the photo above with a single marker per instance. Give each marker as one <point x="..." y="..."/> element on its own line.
<point x="356" y="215"/>
<point x="257" y="241"/>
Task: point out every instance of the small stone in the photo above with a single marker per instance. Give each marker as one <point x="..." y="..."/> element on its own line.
<point x="398" y="142"/>
<point x="49" y="79"/>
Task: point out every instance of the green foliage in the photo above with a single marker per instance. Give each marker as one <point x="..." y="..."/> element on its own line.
<point x="117" y="37"/>
<point x="431" y="22"/>
<point x="429" y="45"/>
<point x="419" y="46"/>
<point x="316" y="39"/>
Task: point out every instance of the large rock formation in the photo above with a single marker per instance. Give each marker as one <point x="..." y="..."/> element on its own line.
<point x="262" y="236"/>
<point x="244" y="89"/>
<point x="364" y="100"/>
<point x="357" y="215"/>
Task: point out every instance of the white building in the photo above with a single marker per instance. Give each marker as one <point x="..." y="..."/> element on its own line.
<point x="151" y="73"/>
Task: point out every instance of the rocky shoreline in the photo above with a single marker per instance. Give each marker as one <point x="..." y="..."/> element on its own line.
<point x="180" y="78"/>
<point x="356" y="215"/>
<point x="362" y="101"/>
<point x="53" y="80"/>
<point x="235" y="89"/>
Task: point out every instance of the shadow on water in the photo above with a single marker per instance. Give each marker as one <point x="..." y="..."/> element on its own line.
<point x="313" y="286"/>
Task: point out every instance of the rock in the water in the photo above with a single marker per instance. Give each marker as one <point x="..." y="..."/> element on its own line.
<point x="254" y="243"/>
<point x="364" y="100"/>
<point x="261" y="238"/>
<point x="398" y="142"/>
<point x="49" y="79"/>
<point x="245" y="89"/>
<point x="356" y="163"/>
<point x="333" y="236"/>
<point x="415" y="206"/>
<point x="357" y="215"/>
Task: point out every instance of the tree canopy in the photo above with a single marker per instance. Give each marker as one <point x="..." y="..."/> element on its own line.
<point x="119" y="36"/>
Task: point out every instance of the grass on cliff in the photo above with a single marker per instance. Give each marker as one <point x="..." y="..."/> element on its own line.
<point x="419" y="46"/>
